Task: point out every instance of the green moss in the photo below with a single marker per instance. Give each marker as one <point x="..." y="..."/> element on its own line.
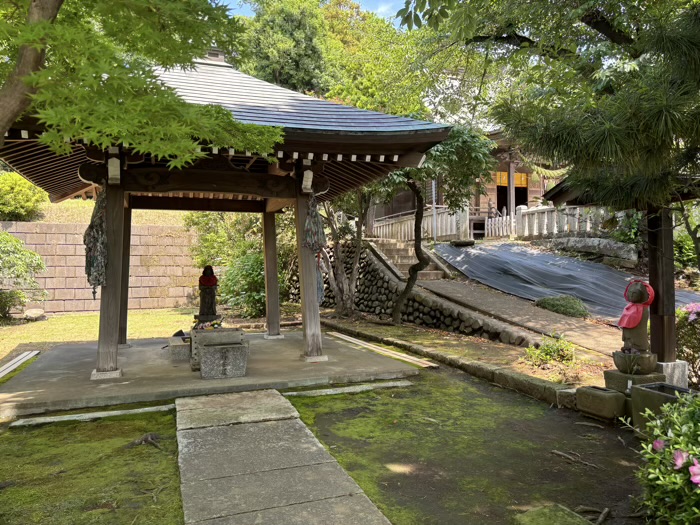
<point x="17" y="370"/>
<point x="84" y="473"/>
<point x="565" y="305"/>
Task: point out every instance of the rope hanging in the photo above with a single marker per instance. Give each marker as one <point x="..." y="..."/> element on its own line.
<point x="95" y="240"/>
<point x="315" y="240"/>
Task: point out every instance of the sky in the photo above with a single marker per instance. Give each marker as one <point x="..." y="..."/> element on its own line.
<point x="384" y="8"/>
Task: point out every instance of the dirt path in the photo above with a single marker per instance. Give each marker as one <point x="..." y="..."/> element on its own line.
<point x="521" y="312"/>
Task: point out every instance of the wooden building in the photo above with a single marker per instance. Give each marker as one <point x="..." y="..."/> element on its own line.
<point x="341" y="147"/>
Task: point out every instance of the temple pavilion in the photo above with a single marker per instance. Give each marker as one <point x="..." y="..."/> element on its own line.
<point x="336" y="148"/>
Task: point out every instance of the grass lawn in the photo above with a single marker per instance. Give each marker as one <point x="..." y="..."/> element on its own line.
<point x="86" y="473"/>
<point x="41" y="335"/>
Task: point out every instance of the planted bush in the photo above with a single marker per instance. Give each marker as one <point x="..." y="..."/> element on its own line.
<point x="18" y="267"/>
<point x="670" y="474"/>
<point x="243" y="285"/>
<point x="688" y="340"/>
<point x="565" y="305"/>
<point x="20" y="200"/>
<point x="551" y="350"/>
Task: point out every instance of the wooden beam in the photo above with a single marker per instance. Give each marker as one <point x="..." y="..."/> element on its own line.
<point x="310" y="315"/>
<point x="139" y="202"/>
<point x="272" y="286"/>
<point x="124" y="299"/>
<point x="662" y="313"/>
<point x="414" y="159"/>
<point x="273" y="205"/>
<point x="110" y="295"/>
<point x="150" y="179"/>
<point x="511" y="189"/>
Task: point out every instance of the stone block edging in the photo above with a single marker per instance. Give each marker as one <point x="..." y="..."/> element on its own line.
<point x="503" y="376"/>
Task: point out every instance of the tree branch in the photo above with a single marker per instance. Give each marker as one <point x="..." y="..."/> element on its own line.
<point x="15" y="93"/>
<point x="597" y="21"/>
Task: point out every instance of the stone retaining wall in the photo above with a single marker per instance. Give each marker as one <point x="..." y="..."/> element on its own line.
<point x="162" y="273"/>
<point x="378" y="287"/>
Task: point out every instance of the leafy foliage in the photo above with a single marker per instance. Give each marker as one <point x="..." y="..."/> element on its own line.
<point x="286" y="44"/>
<point x="688" y="340"/>
<point x="629" y="227"/>
<point x="670" y="451"/>
<point x="18" y="267"/>
<point x="100" y="82"/>
<point x="551" y="349"/>
<point x="243" y="285"/>
<point x="565" y="305"/>
<point x="20" y="200"/>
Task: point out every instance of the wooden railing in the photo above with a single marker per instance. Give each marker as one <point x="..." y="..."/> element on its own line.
<point x="502" y="226"/>
<point x="400" y="227"/>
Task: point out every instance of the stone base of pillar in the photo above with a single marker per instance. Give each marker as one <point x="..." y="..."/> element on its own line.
<point x="123" y="346"/>
<point x="99" y="376"/>
<point x="268" y="336"/>
<point x="314" y="358"/>
<point x="676" y="373"/>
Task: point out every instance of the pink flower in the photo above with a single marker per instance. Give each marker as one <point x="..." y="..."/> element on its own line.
<point x="680" y="458"/>
<point x="695" y="472"/>
<point x="658" y="444"/>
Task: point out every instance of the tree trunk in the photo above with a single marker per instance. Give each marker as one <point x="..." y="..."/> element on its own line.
<point x="15" y="92"/>
<point x="423" y="260"/>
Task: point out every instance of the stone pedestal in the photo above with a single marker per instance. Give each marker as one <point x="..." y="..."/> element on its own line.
<point x="206" y="318"/>
<point x="216" y="336"/>
<point x="179" y="349"/>
<point x="99" y="376"/>
<point x="224" y="360"/>
<point x="599" y="402"/>
<point x="676" y="373"/>
<point x="616" y="380"/>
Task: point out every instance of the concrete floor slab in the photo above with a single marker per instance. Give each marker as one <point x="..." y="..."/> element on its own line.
<point x="216" y="498"/>
<point x="345" y="510"/>
<point x="60" y="379"/>
<point x="220" y="452"/>
<point x="229" y="409"/>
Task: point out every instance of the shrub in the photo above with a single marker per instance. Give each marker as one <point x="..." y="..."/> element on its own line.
<point x="20" y="200"/>
<point x="684" y="251"/>
<point x="564" y="304"/>
<point x="551" y="349"/>
<point x="688" y="339"/>
<point x="243" y="285"/>
<point x="670" y="474"/>
<point x="18" y="266"/>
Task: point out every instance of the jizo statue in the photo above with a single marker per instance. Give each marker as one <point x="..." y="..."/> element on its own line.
<point x="635" y="317"/>
<point x="207" y="294"/>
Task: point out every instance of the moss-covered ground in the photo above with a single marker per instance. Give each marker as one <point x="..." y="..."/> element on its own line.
<point x="86" y="473"/>
<point x="453" y="449"/>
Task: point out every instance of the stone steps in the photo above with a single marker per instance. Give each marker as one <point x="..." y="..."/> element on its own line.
<point x="402" y="255"/>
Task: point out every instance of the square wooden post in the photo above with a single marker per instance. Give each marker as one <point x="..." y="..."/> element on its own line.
<point x="661" y="278"/>
<point x="511" y="188"/>
<point x="124" y="300"/>
<point x="310" y="315"/>
<point x="272" y="285"/>
<point x="110" y="295"/>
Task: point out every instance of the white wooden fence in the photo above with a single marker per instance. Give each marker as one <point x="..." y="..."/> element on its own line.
<point x="499" y="227"/>
<point x="550" y="221"/>
<point x="400" y="227"/>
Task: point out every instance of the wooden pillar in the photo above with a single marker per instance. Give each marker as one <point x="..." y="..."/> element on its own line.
<point x="272" y="286"/>
<point x="511" y="189"/>
<point x="124" y="299"/>
<point x="661" y="278"/>
<point x="310" y="315"/>
<point x="110" y="295"/>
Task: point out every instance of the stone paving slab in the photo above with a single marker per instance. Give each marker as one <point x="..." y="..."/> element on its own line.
<point x="215" y="498"/>
<point x="218" y="452"/>
<point x="346" y="510"/>
<point x="230" y="409"/>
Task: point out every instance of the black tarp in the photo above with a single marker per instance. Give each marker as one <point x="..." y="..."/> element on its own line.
<point x="531" y="274"/>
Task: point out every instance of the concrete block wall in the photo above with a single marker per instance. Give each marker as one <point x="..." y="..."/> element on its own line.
<point x="162" y="273"/>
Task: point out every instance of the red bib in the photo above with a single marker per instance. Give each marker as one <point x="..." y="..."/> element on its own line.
<point x="632" y="314"/>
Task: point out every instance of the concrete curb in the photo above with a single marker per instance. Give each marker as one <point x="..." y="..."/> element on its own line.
<point x="557" y="394"/>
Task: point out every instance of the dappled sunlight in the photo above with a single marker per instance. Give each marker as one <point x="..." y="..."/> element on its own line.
<point x="401" y="468"/>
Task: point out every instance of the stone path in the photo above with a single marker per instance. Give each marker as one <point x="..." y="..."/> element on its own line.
<point x="246" y="459"/>
<point x="523" y="313"/>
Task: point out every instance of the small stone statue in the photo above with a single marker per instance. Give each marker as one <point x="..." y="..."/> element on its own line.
<point x="635" y="357"/>
<point x="635" y="317"/>
<point x="207" y="295"/>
